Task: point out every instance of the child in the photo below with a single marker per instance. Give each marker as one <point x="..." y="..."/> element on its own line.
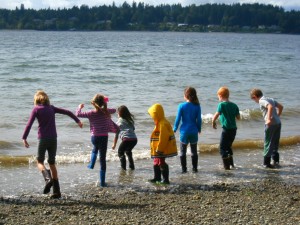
<point x="100" y="125"/>
<point x="228" y="112"/>
<point x="189" y="113"/>
<point x="45" y="114"/>
<point x="127" y="135"/>
<point x="162" y="144"/>
<point x="271" y="110"/>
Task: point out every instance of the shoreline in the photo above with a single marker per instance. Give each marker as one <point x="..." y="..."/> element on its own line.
<point x="255" y="202"/>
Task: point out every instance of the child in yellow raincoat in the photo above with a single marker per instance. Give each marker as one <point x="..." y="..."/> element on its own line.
<point x="162" y="144"/>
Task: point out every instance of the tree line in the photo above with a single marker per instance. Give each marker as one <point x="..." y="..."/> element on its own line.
<point x="143" y="17"/>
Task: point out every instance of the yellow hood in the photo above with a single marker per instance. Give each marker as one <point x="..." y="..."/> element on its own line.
<point x="156" y="111"/>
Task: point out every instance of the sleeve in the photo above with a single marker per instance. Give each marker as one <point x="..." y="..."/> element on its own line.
<point x="111" y="111"/>
<point x="163" y="139"/>
<point x="82" y="114"/>
<point x="178" y="118"/>
<point x="29" y="124"/>
<point x="199" y="120"/>
<point x="66" y="112"/>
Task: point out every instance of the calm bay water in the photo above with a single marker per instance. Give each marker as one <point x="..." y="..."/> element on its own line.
<point x="139" y="69"/>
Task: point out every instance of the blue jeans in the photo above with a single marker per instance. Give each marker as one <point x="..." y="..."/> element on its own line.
<point x="100" y="144"/>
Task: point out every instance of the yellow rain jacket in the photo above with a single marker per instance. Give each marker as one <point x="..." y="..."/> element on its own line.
<point x="162" y="141"/>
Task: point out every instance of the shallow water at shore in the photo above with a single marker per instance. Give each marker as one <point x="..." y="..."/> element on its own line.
<point x="248" y="168"/>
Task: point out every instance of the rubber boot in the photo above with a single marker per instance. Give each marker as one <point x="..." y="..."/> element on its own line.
<point x="93" y="160"/>
<point x="195" y="163"/>
<point x="123" y="162"/>
<point x="165" y="174"/>
<point x="183" y="164"/>
<point x="130" y="161"/>
<point x="276" y="159"/>
<point x="56" y="189"/>
<point x="231" y="161"/>
<point x="48" y="180"/>
<point x="267" y="162"/>
<point x="157" y="174"/>
<point x="102" y="178"/>
<point x="226" y="163"/>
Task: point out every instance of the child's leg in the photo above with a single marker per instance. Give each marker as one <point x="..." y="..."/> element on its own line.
<point x="269" y="130"/>
<point x="121" y="151"/>
<point x="194" y="157"/>
<point x="183" y="148"/>
<point x="225" y="147"/>
<point x="164" y="170"/>
<point x="275" y="144"/>
<point x="193" y="139"/>
<point x="94" y="154"/>
<point x="102" y="145"/>
<point x="128" y="152"/>
<point x="157" y="171"/>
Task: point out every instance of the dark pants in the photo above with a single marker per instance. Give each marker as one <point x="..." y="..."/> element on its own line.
<point x="100" y="144"/>
<point x="49" y="145"/>
<point x="271" y="143"/>
<point x="227" y="138"/>
<point x="126" y="148"/>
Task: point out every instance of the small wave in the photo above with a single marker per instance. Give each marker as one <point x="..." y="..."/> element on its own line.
<point x="25" y="79"/>
<point x="13" y="161"/>
<point x="250" y="144"/>
<point x="84" y="157"/>
<point x="6" y="145"/>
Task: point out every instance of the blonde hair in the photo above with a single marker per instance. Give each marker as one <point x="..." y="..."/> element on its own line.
<point x="41" y="98"/>
<point x="98" y="101"/>
<point x="223" y="92"/>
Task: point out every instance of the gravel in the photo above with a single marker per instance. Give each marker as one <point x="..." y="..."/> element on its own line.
<point x="263" y="201"/>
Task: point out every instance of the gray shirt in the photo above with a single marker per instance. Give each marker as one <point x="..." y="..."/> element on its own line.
<point x="263" y="103"/>
<point x="126" y="129"/>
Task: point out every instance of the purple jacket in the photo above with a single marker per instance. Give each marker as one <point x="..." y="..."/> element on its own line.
<point x="45" y="115"/>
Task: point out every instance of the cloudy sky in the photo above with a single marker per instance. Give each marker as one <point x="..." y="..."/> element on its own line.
<point x="54" y="4"/>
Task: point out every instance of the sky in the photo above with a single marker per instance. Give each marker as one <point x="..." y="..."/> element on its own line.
<point x="54" y="4"/>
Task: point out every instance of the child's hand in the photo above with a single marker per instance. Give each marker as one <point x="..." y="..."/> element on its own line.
<point x="81" y="106"/>
<point x="214" y="125"/>
<point x="268" y="122"/>
<point x="113" y="147"/>
<point x="80" y="124"/>
<point x="25" y="143"/>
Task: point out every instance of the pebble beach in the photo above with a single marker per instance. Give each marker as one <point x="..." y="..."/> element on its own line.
<point x="264" y="201"/>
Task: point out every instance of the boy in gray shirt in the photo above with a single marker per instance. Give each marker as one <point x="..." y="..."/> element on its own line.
<point x="271" y="110"/>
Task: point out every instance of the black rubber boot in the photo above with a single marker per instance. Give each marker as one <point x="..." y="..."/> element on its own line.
<point x="157" y="174"/>
<point x="48" y="180"/>
<point x="183" y="164"/>
<point x="276" y="159"/>
<point x="165" y="174"/>
<point x="267" y="162"/>
<point x="226" y="163"/>
<point x="231" y="161"/>
<point x="123" y="162"/>
<point x="195" y="163"/>
<point x="56" y="189"/>
<point x="130" y="161"/>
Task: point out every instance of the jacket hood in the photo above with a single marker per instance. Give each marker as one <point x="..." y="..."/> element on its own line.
<point x="156" y="111"/>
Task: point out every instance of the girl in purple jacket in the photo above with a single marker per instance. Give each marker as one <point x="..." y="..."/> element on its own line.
<point x="45" y="114"/>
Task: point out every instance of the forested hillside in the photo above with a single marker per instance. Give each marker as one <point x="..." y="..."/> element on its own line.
<point x="141" y="17"/>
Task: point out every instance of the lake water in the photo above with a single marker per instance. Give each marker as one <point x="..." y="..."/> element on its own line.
<point x="139" y="69"/>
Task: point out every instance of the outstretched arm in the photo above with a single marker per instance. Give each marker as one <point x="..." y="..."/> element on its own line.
<point x="215" y="117"/>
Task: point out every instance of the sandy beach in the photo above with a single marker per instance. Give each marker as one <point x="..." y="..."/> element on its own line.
<point x="264" y="201"/>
